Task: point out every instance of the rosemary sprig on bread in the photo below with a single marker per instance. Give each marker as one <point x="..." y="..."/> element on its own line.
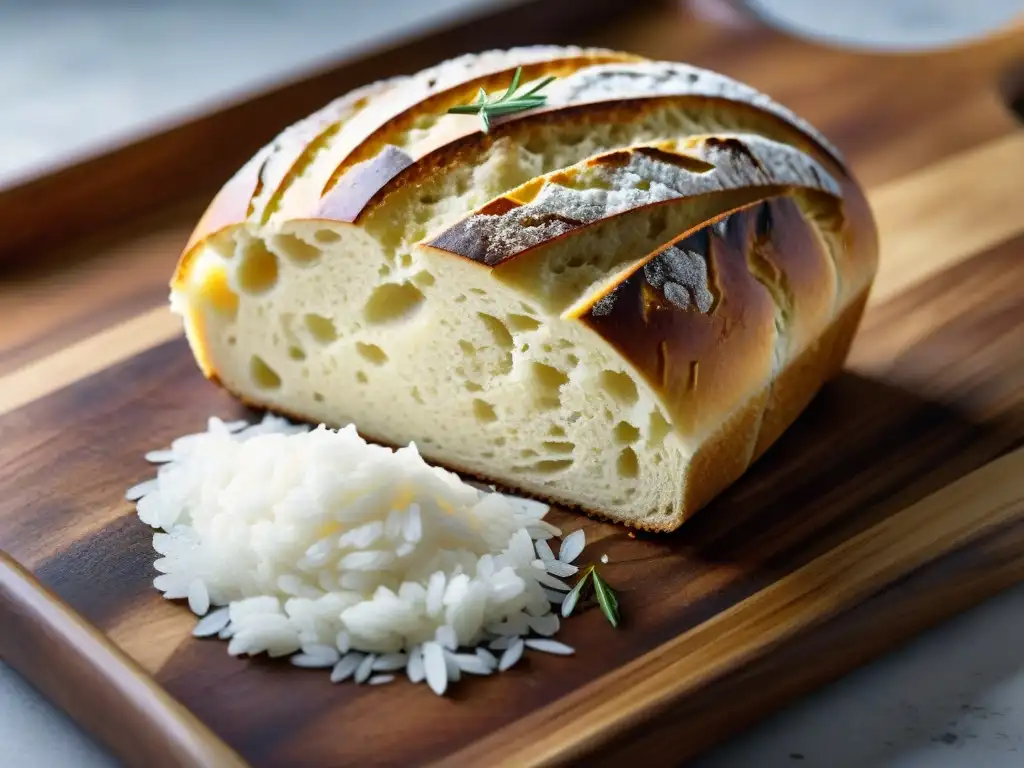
<point x="507" y="104"/>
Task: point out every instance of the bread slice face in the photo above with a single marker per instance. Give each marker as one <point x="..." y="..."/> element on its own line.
<point x="615" y="302"/>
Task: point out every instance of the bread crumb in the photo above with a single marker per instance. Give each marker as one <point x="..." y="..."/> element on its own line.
<point x="604" y="559"/>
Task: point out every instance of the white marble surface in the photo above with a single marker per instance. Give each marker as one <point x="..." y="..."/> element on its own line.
<point x="75" y="75"/>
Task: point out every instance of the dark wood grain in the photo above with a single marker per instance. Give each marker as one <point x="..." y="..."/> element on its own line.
<point x="934" y="390"/>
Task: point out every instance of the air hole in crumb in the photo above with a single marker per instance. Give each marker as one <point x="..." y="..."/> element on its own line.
<point x="318" y="397"/>
<point x="627" y="464"/>
<point x="620" y="386"/>
<point x="257" y="270"/>
<point x="296" y="249"/>
<point x="405" y="259"/>
<point x="296" y="352"/>
<point x="657" y="459"/>
<point x="499" y="441"/>
<point x="460" y="299"/>
<point x="546" y="381"/>
<point x="478" y="291"/>
<point x="559" y="446"/>
<point x="484" y="411"/>
<point x="487" y="454"/>
<point x="522" y="323"/>
<point x="556" y="431"/>
<point x="361" y="377"/>
<point x="528" y="453"/>
<point x="572" y="360"/>
<point x="423" y="278"/>
<point x="216" y="293"/>
<point x="392" y="302"/>
<point x="321" y="328"/>
<point x="643" y="184"/>
<point x="467" y="349"/>
<point x="498" y="330"/>
<point x="574" y="417"/>
<point x="657" y="428"/>
<point x="472" y="386"/>
<point x="371" y="353"/>
<point x="326" y="236"/>
<point x="263" y="376"/>
<point x="383" y="271"/>
<point x="232" y="341"/>
<point x="415" y="392"/>
<point x="625" y="433"/>
<point x="550" y="466"/>
<point x="546" y="347"/>
<point x="524" y="348"/>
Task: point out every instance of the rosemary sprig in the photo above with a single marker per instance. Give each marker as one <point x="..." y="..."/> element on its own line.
<point x="605" y="596"/>
<point x="507" y="104"/>
<point x="606" y="599"/>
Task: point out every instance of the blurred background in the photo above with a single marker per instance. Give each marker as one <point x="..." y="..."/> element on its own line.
<point x="77" y="75"/>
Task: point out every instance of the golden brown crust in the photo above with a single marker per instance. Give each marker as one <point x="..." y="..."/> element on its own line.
<point x="293" y="149"/>
<point x="575" y="119"/>
<point x="800" y="380"/>
<point x="227" y="210"/>
<point x="701" y="356"/>
<point x="723" y="457"/>
<point x="463" y="93"/>
<point x="726" y="169"/>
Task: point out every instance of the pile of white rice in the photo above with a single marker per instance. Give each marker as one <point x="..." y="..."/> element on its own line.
<point x="347" y="555"/>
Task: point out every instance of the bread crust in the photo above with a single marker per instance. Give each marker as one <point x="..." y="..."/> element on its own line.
<point x="518" y="128"/>
<point x="463" y="93"/>
<point x="527" y="217"/>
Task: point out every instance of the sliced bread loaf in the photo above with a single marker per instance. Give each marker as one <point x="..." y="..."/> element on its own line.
<point x="616" y="300"/>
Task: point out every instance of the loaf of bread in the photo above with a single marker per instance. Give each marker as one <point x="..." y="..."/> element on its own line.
<point x="616" y="300"/>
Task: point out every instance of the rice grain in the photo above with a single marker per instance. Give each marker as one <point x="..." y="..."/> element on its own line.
<point x="350" y="556"/>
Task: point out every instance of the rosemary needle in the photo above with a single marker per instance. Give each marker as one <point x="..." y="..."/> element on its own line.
<point x="606" y="597"/>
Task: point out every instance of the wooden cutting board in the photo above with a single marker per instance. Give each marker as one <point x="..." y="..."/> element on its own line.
<point x="894" y="502"/>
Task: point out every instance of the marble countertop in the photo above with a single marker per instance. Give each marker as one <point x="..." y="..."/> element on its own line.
<point x="953" y="697"/>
